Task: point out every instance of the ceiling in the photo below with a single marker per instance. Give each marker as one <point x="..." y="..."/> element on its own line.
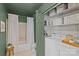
<point x="26" y="9"/>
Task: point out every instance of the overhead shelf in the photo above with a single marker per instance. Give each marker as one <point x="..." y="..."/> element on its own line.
<point x="66" y="25"/>
<point x="66" y="12"/>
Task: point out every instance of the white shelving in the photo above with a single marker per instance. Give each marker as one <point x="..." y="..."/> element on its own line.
<point x="66" y="22"/>
<point x="67" y="17"/>
<point x="70" y="16"/>
<point x="66" y="12"/>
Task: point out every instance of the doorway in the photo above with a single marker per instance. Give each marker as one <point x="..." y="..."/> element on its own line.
<point x="21" y="35"/>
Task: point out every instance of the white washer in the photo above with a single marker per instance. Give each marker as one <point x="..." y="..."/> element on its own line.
<point x="51" y="47"/>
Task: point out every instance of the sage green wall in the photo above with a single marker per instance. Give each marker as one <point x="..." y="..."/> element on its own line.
<point x="39" y="29"/>
<point x="40" y="46"/>
<point x="3" y="15"/>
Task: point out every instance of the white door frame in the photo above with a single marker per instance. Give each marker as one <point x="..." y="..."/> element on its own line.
<point x="13" y="36"/>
